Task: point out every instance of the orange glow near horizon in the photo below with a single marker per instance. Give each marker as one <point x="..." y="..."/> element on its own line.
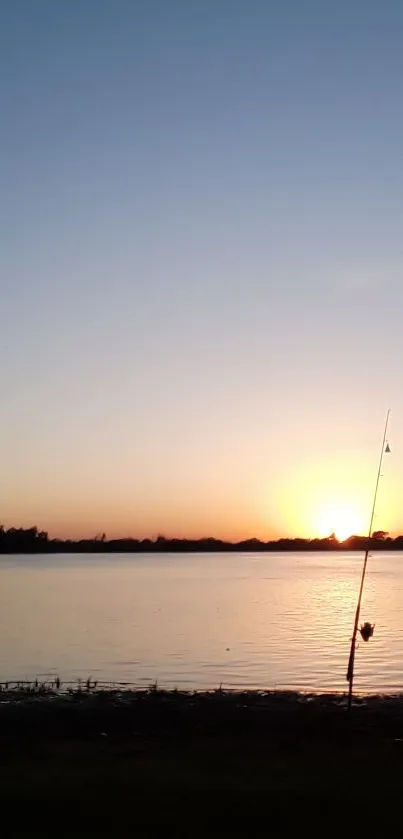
<point x="334" y="497"/>
<point x="308" y="495"/>
<point x="340" y="518"/>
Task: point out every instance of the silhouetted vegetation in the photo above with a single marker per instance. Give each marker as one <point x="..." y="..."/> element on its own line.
<point x="32" y="540"/>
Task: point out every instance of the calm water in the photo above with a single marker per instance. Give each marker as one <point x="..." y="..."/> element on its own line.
<point x="243" y="620"/>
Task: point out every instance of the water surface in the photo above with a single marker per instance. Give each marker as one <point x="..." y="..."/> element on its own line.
<point x="201" y="620"/>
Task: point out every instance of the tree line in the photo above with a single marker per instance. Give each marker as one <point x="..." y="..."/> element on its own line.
<point x="32" y="540"/>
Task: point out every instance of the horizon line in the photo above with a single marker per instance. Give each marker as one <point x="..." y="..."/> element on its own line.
<point x="101" y="538"/>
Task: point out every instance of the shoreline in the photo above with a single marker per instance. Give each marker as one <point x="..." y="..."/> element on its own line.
<point x="19" y="690"/>
<point x="197" y="763"/>
<point x="237" y="548"/>
<point x="55" y="687"/>
<point x="34" y="541"/>
<point x="108" y="700"/>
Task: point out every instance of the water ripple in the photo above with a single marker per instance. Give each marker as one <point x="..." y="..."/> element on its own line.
<point x="198" y="621"/>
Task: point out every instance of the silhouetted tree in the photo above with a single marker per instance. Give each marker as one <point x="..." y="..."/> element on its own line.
<point x="380" y="535"/>
<point x="32" y="540"/>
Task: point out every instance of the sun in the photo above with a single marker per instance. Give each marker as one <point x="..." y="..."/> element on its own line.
<point x="341" y="519"/>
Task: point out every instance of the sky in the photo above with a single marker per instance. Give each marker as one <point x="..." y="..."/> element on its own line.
<point x="201" y="266"/>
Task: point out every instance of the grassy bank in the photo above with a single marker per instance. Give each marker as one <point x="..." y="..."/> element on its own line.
<point x="139" y="762"/>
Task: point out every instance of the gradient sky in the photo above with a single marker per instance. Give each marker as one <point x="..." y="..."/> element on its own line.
<point x="201" y="265"/>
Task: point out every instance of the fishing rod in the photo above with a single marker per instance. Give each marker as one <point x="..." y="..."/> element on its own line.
<point x="367" y="629"/>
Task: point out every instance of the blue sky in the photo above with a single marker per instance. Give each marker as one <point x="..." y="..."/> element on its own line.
<point x="201" y="261"/>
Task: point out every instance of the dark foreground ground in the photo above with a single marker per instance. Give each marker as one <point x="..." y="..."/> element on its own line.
<point x="244" y="764"/>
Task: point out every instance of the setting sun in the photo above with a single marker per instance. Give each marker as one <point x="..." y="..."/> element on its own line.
<point x="341" y="519"/>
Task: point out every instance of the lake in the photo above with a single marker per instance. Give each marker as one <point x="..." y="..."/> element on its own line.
<point x="201" y="620"/>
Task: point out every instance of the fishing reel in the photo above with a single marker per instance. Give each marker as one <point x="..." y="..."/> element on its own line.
<point x="367" y="630"/>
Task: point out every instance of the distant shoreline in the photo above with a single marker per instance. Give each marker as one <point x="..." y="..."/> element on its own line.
<point x="35" y="541"/>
